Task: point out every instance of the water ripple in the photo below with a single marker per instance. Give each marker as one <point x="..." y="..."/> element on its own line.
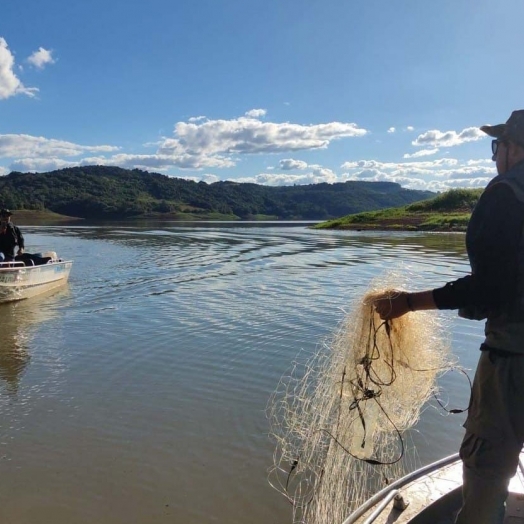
<point x="148" y="378"/>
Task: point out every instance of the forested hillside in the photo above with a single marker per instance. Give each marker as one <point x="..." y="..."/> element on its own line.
<point x="112" y="192"/>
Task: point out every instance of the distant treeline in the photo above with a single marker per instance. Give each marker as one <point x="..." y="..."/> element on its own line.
<point x="112" y="192"/>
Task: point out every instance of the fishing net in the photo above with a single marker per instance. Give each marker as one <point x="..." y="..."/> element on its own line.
<point x="339" y="419"/>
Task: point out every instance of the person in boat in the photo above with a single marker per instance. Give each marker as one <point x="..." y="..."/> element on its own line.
<point x="494" y="291"/>
<point x="10" y="237"/>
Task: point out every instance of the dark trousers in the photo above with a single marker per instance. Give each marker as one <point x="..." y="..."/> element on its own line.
<point x="487" y="470"/>
<point x="494" y="437"/>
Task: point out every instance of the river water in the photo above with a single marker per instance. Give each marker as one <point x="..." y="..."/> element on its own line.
<point x="137" y="393"/>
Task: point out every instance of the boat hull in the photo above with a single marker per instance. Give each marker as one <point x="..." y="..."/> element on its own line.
<point x="19" y="283"/>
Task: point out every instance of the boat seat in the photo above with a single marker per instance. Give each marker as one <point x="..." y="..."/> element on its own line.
<point x="32" y="260"/>
<point x="42" y="261"/>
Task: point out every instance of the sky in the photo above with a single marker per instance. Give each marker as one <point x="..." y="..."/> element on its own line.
<point x="275" y="92"/>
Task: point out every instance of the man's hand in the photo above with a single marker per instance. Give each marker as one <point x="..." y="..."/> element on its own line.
<point x="392" y="304"/>
<point x="20" y="251"/>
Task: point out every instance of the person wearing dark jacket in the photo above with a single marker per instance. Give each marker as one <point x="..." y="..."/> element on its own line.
<point x="10" y="236"/>
<point x="494" y="291"/>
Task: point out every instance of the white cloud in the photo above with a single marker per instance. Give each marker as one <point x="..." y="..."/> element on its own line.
<point x="40" y="164"/>
<point x="375" y="175"/>
<point x="427" y="165"/>
<point x="213" y="142"/>
<point x="410" y="128"/>
<point x="471" y="183"/>
<point x="479" y="162"/>
<point x="191" y="178"/>
<point x="10" y="84"/>
<point x="286" y="179"/>
<point x="436" y="175"/>
<point x="197" y="144"/>
<point x="197" y="118"/>
<point x="422" y="152"/>
<point x="391" y="130"/>
<point x="448" y="138"/>
<point x="468" y="173"/>
<point x="323" y="174"/>
<point x="41" y="58"/>
<point x="27" y="146"/>
<point x="256" y="113"/>
<point x="127" y="161"/>
<point x="289" y="163"/>
<point x="369" y="173"/>
<point x="92" y="161"/>
<point x="209" y="178"/>
<point x="3" y="171"/>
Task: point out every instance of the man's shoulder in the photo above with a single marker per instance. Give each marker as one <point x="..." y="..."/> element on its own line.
<point x="502" y="198"/>
<point x="14" y="228"/>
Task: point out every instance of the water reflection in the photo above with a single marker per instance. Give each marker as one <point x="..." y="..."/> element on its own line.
<point x="162" y="235"/>
<point x="17" y="320"/>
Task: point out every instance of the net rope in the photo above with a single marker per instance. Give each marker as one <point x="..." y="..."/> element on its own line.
<point x="339" y="418"/>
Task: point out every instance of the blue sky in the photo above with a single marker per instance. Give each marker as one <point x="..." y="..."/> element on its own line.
<point x="267" y="91"/>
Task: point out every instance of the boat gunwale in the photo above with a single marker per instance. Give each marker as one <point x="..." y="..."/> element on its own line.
<point x="406" y="479"/>
<point x="14" y="269"/>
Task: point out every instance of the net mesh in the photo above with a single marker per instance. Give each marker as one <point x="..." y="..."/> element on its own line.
<point x="338" y="419"/>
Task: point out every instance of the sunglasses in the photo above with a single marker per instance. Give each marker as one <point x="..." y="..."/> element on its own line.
<point x="495" y="145"/>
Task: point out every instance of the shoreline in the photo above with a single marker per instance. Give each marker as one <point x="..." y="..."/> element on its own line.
<point x="418" y="223"/>
<point x="397" y="228"/>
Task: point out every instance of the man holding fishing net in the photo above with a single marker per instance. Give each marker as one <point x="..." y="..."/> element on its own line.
<point x="493" y="291"/>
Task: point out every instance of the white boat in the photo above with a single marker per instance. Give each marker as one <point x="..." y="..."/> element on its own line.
<point x="432" y="495"/>
<point x="22" y="279"/>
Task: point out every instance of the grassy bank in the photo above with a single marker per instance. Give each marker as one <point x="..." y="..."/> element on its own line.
<point x="448" y="211"/>
<point x="31" y="216"/>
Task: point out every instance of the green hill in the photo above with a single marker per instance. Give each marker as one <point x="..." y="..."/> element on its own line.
<point x="447" y="211"/>
<point x="115" y="193"/>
